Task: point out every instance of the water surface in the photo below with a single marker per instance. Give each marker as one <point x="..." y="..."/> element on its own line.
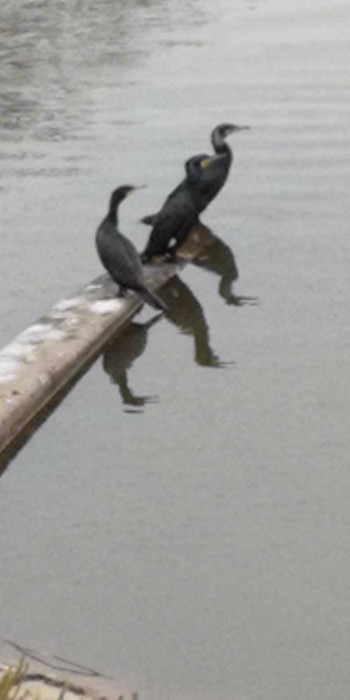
<point x="194" y="544"/>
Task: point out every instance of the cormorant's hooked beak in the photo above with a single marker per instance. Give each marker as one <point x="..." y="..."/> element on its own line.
<point x="240" y="128"/>
<point x="206" y="162"/>
<point x="136" y="187"/>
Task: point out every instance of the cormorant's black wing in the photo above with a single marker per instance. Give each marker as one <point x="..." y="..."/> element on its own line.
<point x="151" y="219"/>
<point x="119" y="256"/>
<point x="173" y="222"/>
<point x="211" y="182"/>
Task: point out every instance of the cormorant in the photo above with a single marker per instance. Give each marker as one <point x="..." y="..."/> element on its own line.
<point x="214" y="178"/>
<point x="119" y="256"/>
<point x="213" y="181"/>
<point x="180" y="210"/>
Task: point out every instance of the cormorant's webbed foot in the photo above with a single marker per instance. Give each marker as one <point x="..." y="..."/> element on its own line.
<point x="171" y="256"/>
<point x="212" y="360"/>
<point x="237" y="300"/>
<point x="168" y="257"/>
<point x="139" y="401"/>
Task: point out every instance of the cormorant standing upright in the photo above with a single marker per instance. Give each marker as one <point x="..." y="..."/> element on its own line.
<point x="119" y="256"/>
<point x="180" y="210"/>
<point x="214" y="178"/>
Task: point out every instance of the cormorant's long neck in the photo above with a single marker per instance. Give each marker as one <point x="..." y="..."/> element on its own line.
<point x="112" y="215"/>
<point x="193" y="181"/>
<point x="220" y="146"/>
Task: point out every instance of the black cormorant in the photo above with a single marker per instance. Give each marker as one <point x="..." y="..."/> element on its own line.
<point x="119" y="256"/>
<point x="180" y="210"/>
<point x="213" y="179"/>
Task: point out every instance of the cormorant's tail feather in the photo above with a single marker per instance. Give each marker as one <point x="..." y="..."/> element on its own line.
<point x="152" y="321"/>
<point x="145" y="258"/>
<point x="149" y="220"/>
<point x="153" y="299"/>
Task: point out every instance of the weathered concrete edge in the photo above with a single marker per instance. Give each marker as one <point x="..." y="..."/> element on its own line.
<point x="48" y="354"/>
<point x="45" y="357"/>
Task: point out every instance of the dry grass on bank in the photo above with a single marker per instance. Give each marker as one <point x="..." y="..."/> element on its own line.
<point x="10" y="682"/>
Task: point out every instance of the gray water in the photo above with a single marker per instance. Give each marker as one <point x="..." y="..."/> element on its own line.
<point x="196" y="544"/>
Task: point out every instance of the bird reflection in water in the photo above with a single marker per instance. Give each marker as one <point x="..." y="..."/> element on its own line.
<point x="185" y="312"/>
<point x="216" y="256"/>
<point x="120" y="355"/>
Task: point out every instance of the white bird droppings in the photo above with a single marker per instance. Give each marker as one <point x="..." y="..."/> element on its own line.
<point x="106" y="306"/>
<point x="90" y="287"/>
<point x="34" y="333"/>
<point x="8" y="369"/>
<point x="67" y="304"/>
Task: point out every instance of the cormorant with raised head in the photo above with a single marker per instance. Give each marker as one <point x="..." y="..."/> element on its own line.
<point x="214" y="178"/>
<point x="213" y="181"/>
<point x="119" y="256"/>
<point x="180" y="210"/>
